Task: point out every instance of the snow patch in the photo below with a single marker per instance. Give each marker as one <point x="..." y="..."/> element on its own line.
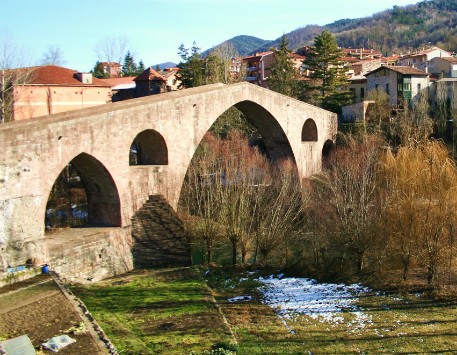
<point x="324" y="302"/>
<point x="240" y="299"/>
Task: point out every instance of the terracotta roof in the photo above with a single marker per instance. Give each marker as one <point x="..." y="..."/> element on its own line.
<point x="150" y="74"/>
<point x="400" y="69"/>
<point x="258" y="55"/>
<point x="54" y="75"/>
<point x="296" y="56"/>
<point x="391" y="58"/>
<point x="449" y="59"/>
<point x="360" y="51"/>
<point x="422" y="52"/>
<point x="124" y="80"/>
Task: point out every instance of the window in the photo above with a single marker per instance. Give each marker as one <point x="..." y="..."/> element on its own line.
<point x="376" y="86"/>
<point x="419" y="88"/>
<point x="407" y="87"/>
<point x="387" y="89"/>
<point x="362" y="93"/>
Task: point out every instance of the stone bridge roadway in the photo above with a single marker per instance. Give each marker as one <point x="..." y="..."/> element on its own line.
<point x="97" y="142"/>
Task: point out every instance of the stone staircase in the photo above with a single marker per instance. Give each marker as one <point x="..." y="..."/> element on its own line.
<point x="159" y="238"/>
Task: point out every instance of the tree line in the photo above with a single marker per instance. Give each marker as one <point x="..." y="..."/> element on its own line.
<point x="376" y="212"/>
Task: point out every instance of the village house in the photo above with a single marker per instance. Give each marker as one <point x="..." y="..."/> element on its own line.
<point x="401" y="83"/>
<point x="258" y="68"/>
<point x="44" y="90"/>
<point x="421" y="59"/>
<point x="443" y="67"/>
<point x="111" y="69"/>
<point x="123" y="88"/>
<point x="151" y="81"/>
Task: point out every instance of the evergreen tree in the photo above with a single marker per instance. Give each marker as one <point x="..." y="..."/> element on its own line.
<point x="98" y="72"/>
<point x="283" y="75"/>
<point x="192" y="71"/>
<point x="129" y="67"/>
<point x="140" y="67"/>
<point x="327" y="86"/>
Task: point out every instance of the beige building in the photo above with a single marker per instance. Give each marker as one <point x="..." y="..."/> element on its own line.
<point x="50" y="89"/>
<point x="421" y="59"/>
<point x="401" y="83"/>
<point x="443" y="67"/>
<point x="258" y="68"/>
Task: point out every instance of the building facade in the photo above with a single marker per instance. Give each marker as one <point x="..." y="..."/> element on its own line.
<point x="51" y="89"/>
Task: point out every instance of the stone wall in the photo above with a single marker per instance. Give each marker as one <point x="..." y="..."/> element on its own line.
<point x="159" y="238"/>
<point x="34" y="152"/>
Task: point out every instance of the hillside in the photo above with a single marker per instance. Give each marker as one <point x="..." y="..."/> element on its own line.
<point x="397" y="30"/>
<point x="243" y="45"/>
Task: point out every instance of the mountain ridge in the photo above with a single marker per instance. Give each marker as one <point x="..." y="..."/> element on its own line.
<point x="396" y="30"/>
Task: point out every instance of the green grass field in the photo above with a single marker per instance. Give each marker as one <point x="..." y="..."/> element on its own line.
<point x="170" y="311"/>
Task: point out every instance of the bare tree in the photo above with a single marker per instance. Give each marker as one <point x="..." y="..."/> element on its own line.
<point x="279" y="221"/>
<point x="423" y="192"/>
<point x="53" y="56"/>
<point x="200" y="203"/>
<point x="221" y="59"/>
<point x="12" y="55"/>
<point x="112" y="49"/>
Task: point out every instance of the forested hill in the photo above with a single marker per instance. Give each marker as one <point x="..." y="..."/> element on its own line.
<point x="396" y="30"/>
<point x="243" y="45"/>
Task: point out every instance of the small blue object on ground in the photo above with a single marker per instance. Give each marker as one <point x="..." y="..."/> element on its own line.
<point x="45" y="269"/>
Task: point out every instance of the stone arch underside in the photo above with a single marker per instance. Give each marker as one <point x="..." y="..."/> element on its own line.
<point x="274" y="137"/>
<point x="149" y="148"/>
<point x="103" y="203"/>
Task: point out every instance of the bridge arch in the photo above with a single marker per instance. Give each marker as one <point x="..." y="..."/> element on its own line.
<point x="275" y="139"/>
<point x="309" y="131"/>
<point x="103" y="202"/>
<point x="148" y="148"/>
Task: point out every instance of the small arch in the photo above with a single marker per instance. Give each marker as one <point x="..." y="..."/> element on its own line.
<point x="148" y="148"/>
<point x="326" y="151"/>
<point x="97" y="202"/>
<point x="309" y="131"/>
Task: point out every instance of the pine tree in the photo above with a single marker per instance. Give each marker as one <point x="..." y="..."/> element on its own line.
<point x="192" y="71"/>
<point x="283" y="78"/>
<point x="129" y="68"/>
<point x="98" y="71"/>
<point x="140" y="68"/>
<point x="327" y="86"/>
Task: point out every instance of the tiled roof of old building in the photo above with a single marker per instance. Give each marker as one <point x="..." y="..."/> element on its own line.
<point x="150" y="74"/>
<point x="450" y="59"/>
<point x="54" y="75"/>
<point x="401" y="69"/>
<point x="124" y="82"/>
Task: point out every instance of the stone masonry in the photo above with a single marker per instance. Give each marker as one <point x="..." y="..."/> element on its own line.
<point x="98" y="139"/>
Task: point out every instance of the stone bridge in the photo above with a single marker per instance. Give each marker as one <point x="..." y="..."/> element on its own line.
<point x="97" y="141"/>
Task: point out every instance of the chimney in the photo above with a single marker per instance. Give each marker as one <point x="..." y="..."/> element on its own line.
<point x="85" y="78"/>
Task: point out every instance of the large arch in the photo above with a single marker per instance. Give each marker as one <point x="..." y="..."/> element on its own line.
<point x="275" y="139"/>
<point x="148" y="148"/>
<point x="103" y="203"/>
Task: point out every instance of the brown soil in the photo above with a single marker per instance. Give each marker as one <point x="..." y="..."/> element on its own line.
<point x="38" y="308"/>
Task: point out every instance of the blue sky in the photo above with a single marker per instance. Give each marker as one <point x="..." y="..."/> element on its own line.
<point x="154" y="29"/>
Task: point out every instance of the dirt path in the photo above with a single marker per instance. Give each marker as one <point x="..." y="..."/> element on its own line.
<point x="39" y="309"/>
